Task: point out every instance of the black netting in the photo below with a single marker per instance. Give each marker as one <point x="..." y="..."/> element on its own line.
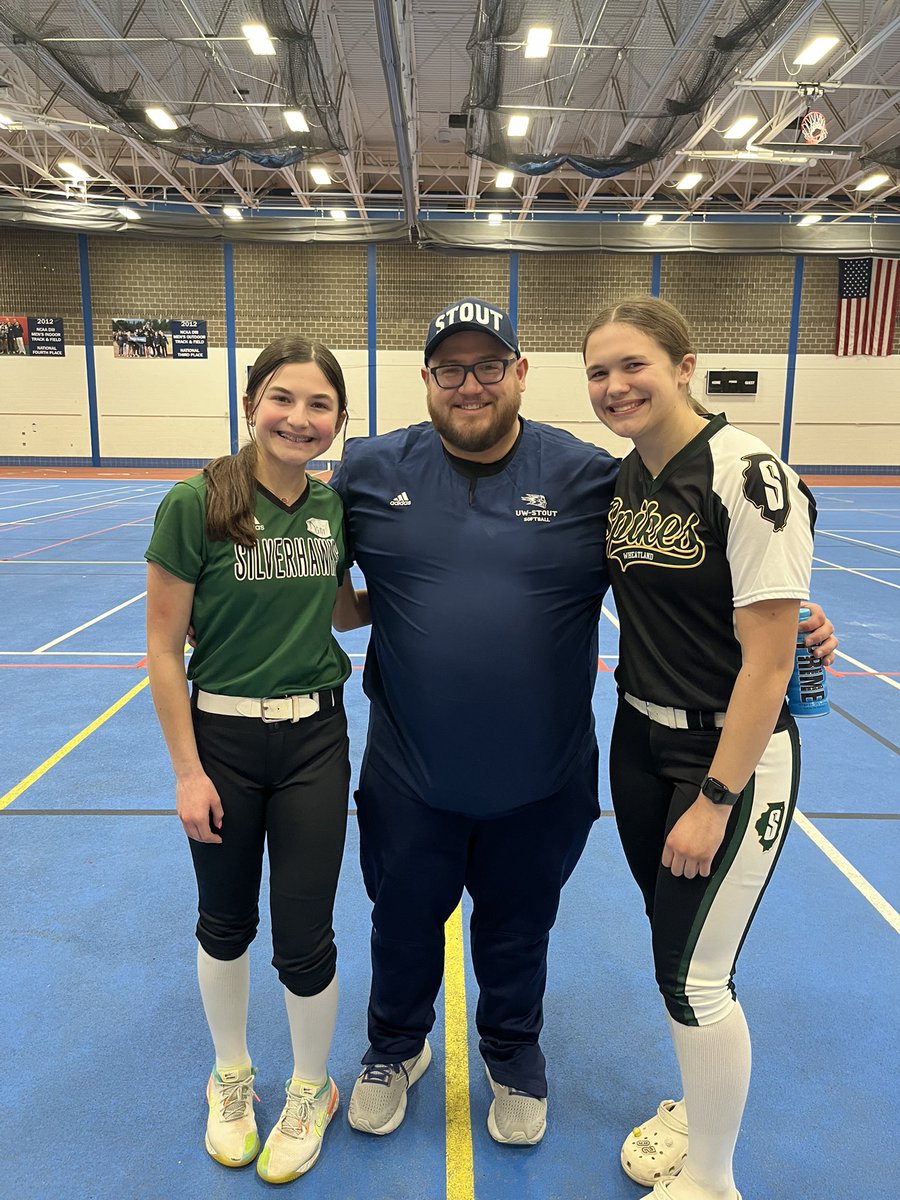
<point x="888" y="157"/>
<point x="703" y="71"/>
<point x="102" y="82"/>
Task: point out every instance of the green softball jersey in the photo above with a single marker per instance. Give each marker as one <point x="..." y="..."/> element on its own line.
<point x="263" y="614"/>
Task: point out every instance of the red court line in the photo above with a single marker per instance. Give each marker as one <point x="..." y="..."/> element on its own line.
<point x="869" y="674"/>
<point x="141" y="663"/>
<point x="66" y="541"/>
<point x="601" y="666"/>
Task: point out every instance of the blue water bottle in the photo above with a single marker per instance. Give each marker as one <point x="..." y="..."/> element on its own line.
<point x="807" y="694"/>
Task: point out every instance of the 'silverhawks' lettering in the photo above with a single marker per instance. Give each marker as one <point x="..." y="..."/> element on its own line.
<point x="647" y="536"/>
<point x="285" y="558"/>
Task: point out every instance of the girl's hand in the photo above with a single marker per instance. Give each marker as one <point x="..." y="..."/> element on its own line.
<point x="695" y="837"/>
<point x="198" y="805"/>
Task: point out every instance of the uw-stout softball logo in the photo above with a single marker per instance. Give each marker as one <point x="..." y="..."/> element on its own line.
<point x="765" y="486"/>
<point x="769" y="825"/>
<point x="537" y="509"/>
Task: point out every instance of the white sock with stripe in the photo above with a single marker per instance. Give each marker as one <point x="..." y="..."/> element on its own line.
<point x="715" y="1071"/>
<point x="225" y="991"/>
<point x="312" y="1020"/>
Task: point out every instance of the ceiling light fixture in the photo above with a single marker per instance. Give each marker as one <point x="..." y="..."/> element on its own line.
<point x="232" y="213"/>
<point x="653" y="219"/>
<point x="160" y="118"/>
<point x="538" y="42"/>
<point x="319" y="176"/>
<point x="74" y="171"/>
<point x="504" y="179"/>
<point x="686" y="182"/>
<point x="815" y="51"/>
<point x="258" y="39"/>
<point x="5" y="120"/>
<point x="295" y="120"/>
<point x="871" y="182"/>
<point x="338" y="214"/>
<point x="811" y="219"/>
<point x="128" y="213"/>
<point x="518" y="125"/>
<point x="495" y="218"/>
<point x="742" y="126"/>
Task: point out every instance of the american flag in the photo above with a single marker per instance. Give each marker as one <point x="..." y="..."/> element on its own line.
<point x="867" y="306"/>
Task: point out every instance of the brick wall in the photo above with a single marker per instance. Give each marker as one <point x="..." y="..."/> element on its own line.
<point x="560" y="293"/>
<point x="39" y="278"/>
<point x="316" y="290"/>
<point x="734" y="302"/>
<point x="818" y="306"/>
<point x="138" y="277"/>
<point x="414" y="285"/>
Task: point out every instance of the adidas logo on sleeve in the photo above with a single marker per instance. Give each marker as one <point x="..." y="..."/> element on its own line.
<point x="401" y="501"/>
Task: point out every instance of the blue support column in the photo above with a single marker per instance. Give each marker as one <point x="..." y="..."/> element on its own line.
<point x="372" y="323"/>
<point x="656" y="275"/>
<point x="514" y="288"/>
<point x="87" y="315"/>
<point x="231" y="347"/>
<point x="793" y="340"/>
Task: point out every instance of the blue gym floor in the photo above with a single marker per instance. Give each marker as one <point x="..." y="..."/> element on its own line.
<point x="105" y="1049"/>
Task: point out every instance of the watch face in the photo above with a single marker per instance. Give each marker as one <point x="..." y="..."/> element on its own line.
<point x="717" y="792"/>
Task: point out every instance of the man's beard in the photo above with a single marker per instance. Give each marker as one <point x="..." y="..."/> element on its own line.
<point x="462" y="433"/>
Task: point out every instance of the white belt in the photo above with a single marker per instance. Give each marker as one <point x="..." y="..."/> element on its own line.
<point x="676" y="718"/>
<point x="283" y="708"/>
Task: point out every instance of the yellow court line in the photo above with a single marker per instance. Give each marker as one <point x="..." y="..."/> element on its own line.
<point x="60" y="754"/>
<point x="460" y="1174"/>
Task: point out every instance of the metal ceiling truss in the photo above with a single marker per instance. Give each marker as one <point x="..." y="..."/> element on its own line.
<point x="400" y="153"/>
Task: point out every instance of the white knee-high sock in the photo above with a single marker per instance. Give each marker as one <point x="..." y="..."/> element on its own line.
<point x="715" y="1071"/>
<point x="225" y="991"/>
<point x="312" y="1020"/>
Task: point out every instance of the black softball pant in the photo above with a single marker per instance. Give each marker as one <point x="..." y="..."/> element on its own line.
<point x="283" y="786"/>
<point x="698" y="925"/>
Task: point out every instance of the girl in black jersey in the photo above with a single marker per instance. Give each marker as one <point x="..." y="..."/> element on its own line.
<point x="252" y="552"/>
<point x="709" y="541"/>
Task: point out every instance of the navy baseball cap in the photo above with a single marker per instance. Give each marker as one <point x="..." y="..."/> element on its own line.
<point x="472" y="314"/>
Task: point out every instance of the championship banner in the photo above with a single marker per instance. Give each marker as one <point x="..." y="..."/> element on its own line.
<point x="189" y="339"/>
<point x="31" y="337"/>
<point x="160" y="337"/>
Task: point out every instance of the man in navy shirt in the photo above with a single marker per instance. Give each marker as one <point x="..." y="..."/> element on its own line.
<point x="481" y="537"/>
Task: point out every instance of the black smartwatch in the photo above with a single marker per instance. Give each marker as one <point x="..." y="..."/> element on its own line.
<point x="713" y="790"/>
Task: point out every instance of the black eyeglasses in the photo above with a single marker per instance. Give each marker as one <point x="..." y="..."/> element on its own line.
<point x="454" y="375"/>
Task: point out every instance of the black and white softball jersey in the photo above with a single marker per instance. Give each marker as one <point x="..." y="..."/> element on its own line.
<point x="724" y="524"/>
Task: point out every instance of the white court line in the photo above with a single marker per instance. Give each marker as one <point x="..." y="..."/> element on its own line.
<point x="88" y="624"/>
<point x="857" y="542"/>
<point x="850" y="872"/>
<point x="24" y="522"/>
<point x="826" y="568"/>
<point x="869" y="670"/>
<point x="51" y="499"/>
<point x="853" y="571"/>
<point x="75" y="653"/>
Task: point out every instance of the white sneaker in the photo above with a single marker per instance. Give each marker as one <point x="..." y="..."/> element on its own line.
<point x="231" y="1136"/>
<point x="657" y="1149"/>
<point x="516" y="1118"/>
<point x="378" y="1102"/>
<point x="294" y="1144"/>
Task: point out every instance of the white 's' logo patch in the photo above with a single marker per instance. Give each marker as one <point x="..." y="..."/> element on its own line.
<point x="319" y="527"/>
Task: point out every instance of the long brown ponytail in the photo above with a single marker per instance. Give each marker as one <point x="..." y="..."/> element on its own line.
<point x="231" y="479"/>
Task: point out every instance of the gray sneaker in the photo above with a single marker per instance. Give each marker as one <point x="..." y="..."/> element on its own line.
<point x="516" y="1118"/>
<point x="378" y="1103"/>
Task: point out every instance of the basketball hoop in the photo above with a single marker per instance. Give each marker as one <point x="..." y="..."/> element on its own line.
<point x="814" y="128"/>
